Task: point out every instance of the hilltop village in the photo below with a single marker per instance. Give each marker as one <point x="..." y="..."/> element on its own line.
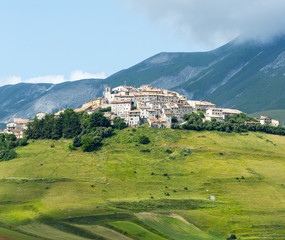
<point x="155" y="106"/>
<point x="148" y="104"/>
<point x="145" y="104"/>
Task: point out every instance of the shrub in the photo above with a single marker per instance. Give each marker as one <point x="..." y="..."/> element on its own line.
<point x="52" y="145"/>
<point x="76" y="141"/>
<point x="10" y="137"/>
<point x="7" y="154"/>
<point x="12" y="144"/>
<point x="232" y="237"/>
<point x="185" y="152"/>
<point x="71" y="147"/>
<point x="169" y="151"/>
<point x="145" y="150"/>
<point x="144" y="140"/>
<point x="23" y="142"/>
<point x="89" y="144"/>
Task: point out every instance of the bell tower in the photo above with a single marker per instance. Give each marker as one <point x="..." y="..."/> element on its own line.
<point x="108" y="93"/>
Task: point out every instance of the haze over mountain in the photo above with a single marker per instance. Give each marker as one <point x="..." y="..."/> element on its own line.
<point x="248" y="76"/>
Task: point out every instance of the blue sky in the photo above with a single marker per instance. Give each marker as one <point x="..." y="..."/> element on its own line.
<point x="44" y="41"/>
<point x="59" y="40"/>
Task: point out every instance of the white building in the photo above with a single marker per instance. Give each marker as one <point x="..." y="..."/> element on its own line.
<point x="220" y="114"/>
<point x="269" y="121"/>
<point x="201" y="105"/>
<point x="40" y="115"/>
<point x="121" y="107"/>
<point x="17" y="127"/>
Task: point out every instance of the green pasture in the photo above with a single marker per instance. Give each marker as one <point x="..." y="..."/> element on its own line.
<point x="87" y="193"/>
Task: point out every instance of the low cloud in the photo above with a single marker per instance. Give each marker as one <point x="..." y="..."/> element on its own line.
<point x="213" y="22"/>
<point x="10" y="80"/>
<point x="75" y="75"/>
<point x="78" y="74"/>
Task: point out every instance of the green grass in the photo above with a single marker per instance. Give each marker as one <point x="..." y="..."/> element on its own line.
<point x="104" y="232"/>
<point x="47" y="232"/>
<point x="7" y="234"/>
<point x="174" y="227"/>
<point x="135" y="230"/>
<point x="245" y="172"/>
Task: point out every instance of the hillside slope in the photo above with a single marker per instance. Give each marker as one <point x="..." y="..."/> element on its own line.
<point x="137" y="193"/>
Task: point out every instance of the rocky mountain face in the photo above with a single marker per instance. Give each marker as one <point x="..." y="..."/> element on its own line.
<point x="248" y="76"/>
<point x="24" y="100"/>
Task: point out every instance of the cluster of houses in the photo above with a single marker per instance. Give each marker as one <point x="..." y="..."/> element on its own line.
<point x="19" y="125"/>
<point x="146" y="104"/>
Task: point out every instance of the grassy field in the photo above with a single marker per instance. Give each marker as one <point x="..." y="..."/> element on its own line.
<point x="52" y="193"/>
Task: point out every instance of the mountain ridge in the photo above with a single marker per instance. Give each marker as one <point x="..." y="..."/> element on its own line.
<point x="248" y="76"/>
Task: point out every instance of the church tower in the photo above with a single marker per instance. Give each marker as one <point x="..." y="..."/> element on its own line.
<point x="108" y="93"/>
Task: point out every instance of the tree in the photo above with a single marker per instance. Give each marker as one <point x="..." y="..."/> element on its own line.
<point x="10" y="137"/>
<point x="71" y="124"/>
<point x="119" y="123"/>
<point x="97" y="119"/>
<point x="89" y="144"/>
<point x="57" y="128"/>
<point x="174" y="119"/>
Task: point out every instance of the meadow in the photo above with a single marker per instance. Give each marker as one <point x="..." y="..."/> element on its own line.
<point x="182" y="185"/>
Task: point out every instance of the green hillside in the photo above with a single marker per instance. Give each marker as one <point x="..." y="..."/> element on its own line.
<point x="128" y="190"/>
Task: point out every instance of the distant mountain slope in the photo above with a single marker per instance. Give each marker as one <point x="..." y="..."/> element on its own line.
<point x="248" y="76"/>
<point x="24" y="100"/>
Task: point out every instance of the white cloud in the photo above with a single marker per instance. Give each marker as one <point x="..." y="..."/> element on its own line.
<point x="75" y="75"/>
<point x="212" y="22"/>
<point x="10" y="80"/>
<point x="78" y="74"/>
<point x="46" y="79"/>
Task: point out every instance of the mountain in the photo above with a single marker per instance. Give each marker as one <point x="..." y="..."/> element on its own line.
<point x="26" y="99"/>
<point x="248" y="76"/>
<point x="244" y="75"/>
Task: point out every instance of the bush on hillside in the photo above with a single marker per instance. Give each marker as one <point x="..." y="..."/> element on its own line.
<point x="10" y="137"/>
<point x="144" y="140"/>
<point x="89" y="144"/>
<point x="7" y="154"/>
<point x="23" y="142"/>
<point x="77" y="141"/>
<point x="71" y="147"/>
<point x="233" y="236"/>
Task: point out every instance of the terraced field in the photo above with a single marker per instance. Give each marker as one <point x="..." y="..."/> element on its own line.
<point x="230" y="184"/>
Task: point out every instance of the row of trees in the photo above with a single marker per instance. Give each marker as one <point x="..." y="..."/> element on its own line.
<point x="86" y="130"/>
<point x="235" y="123"/>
